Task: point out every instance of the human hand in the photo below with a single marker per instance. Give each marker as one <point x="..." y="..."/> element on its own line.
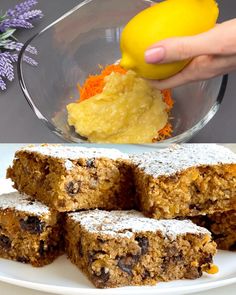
<point x="212" y="53"/>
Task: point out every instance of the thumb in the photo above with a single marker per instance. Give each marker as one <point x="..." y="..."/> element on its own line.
<point x="179" y="48"/>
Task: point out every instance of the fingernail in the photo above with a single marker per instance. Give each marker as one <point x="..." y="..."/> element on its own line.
<point x="154" y="55"/>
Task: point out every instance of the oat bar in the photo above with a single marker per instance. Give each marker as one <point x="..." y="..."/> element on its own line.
<point x="222" y="226"/>
<point x="121" y="248"/>
<point x="186" y="180"/>
<point x="29" y="231"/>
<point x="70" y="178"/>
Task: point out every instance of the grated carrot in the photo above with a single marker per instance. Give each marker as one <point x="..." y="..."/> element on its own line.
<point x="165" y="132"/>
<point x="168" y="98"/>
<point x="95" y="84"/>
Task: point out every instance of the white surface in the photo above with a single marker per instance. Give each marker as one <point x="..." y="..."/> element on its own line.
<point x="62" y="277"/>
<point x="6" y="289"/>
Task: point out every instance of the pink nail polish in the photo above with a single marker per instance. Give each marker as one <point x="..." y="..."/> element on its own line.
<point x="154" y="55"/>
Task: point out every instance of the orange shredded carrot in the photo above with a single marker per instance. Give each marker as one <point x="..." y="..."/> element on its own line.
<point x="95" y="84"/>
<point x="165" y="132"/>
<point x="168" y="98"/>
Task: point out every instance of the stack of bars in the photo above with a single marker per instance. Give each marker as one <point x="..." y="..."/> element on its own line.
<point x="122" y="219"/>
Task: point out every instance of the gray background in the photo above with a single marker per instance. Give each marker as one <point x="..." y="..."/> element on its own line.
<point x="19" y="124"/>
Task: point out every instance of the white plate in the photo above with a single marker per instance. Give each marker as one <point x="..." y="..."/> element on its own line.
<point x="62" y="277"/>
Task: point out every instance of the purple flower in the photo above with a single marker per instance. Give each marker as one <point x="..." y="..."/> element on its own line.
<point x="3" y="85"/>
<point x="18" y="46"/>
<point x="31" y="49"/>
<point x="7" y="58"/>
<point x="6" y="67"/>
<point x="14" y="23"/>
<point x="12" y="45"/>
<point x="31" y="15"/>
<point x="21" y="8"/>
<point x="30" y="60"/>
<point x="14" y="57"/>
<point x="19" y="17"/>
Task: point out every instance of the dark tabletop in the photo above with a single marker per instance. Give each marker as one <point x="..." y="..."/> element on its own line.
<point x="19" y="124"/>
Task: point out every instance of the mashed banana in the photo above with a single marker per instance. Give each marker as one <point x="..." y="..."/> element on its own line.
<point x="128" y="110"/>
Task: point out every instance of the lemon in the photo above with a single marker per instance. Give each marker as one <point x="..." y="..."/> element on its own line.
<point x="170" y="18"/>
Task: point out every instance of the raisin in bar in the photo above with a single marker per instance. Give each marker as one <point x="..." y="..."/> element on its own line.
<point x="73" y="178"/>
<point x="29" y="231"/>
<point x="121" y="248"/>
<point x="186" y="180"/>
<point x="222" y="226"/>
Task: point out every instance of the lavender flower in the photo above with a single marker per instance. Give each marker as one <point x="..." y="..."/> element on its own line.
<point x="18" y="17"/>
<point x="18" y="46"/>
<point x="3" y="85"/>
<point x="21" y="8"/>
<point x="12" y="45"/>
<point x="31" y="15"/>
<point x="14" y="57"/>
<point x="14" y="23"/>
<point x="6" y="68"/>
<point x="30" y="60"/>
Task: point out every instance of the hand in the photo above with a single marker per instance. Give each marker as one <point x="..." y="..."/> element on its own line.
<point x="212" y="53"/>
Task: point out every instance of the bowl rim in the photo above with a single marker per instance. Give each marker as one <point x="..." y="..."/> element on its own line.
<point x="181" y="138"/>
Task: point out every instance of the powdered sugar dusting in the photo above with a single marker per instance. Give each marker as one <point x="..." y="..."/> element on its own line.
<point x="74" y="152"/>
<point x="126" y="223"/>
<point x="22" y="203"/>
<point x="69" y="165"/>
<point x="166" y="162"/>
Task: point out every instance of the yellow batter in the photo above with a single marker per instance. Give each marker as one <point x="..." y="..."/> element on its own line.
<point x="128" y="110"/>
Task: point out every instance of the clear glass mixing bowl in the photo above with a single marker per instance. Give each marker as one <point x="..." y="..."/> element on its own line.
<point x="73" y="46"/>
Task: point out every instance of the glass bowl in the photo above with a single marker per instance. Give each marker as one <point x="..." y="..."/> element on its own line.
<point x="73" y="46"/>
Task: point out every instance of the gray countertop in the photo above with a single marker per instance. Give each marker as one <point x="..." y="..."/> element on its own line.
<point x="19" y="124"/>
